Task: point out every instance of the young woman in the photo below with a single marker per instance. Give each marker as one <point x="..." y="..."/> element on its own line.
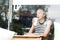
<point x="40" y="24"/>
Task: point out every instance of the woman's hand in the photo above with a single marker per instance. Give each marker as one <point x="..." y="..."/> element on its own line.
<point x="33" y="35"/>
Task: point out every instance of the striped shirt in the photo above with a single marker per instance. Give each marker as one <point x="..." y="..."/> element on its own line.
<point x="40" y="28"/>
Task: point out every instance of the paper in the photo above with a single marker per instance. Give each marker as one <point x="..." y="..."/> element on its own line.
<point x="6" y="34"/>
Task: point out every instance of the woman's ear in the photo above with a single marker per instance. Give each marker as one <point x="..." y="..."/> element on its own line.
<point x="44" y="14"/>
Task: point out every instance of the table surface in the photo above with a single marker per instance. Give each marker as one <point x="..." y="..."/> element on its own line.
<point x="26" y="37"/>
<point x="17" y="36"/>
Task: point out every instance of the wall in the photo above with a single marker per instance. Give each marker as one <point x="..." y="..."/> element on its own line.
<point x="54" y="12"/>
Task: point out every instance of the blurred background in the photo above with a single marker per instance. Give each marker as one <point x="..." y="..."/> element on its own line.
<point x="4" y="5"/>
<point x="23" y="14"/>
<point x="22" y="17"/>
<point x="18" y="18"/>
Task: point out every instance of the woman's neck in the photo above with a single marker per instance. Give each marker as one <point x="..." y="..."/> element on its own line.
<point x="41" y="20"/>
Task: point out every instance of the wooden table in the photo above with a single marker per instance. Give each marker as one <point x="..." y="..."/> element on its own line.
<point x="23" y="37"/>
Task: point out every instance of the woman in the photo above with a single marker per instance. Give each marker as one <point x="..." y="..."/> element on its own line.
<point x="40" y="24"/>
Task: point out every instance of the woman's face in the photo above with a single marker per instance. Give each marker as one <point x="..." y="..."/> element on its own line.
<point x="40" y="13"/>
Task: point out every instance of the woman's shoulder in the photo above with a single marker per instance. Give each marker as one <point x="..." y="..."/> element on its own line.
<point x="49" y="22"/>
<point x="35" y="18"/>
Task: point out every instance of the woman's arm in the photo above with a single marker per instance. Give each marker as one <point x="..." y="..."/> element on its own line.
<point x="32" y="27"/>
<point x="47" y="30"/>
